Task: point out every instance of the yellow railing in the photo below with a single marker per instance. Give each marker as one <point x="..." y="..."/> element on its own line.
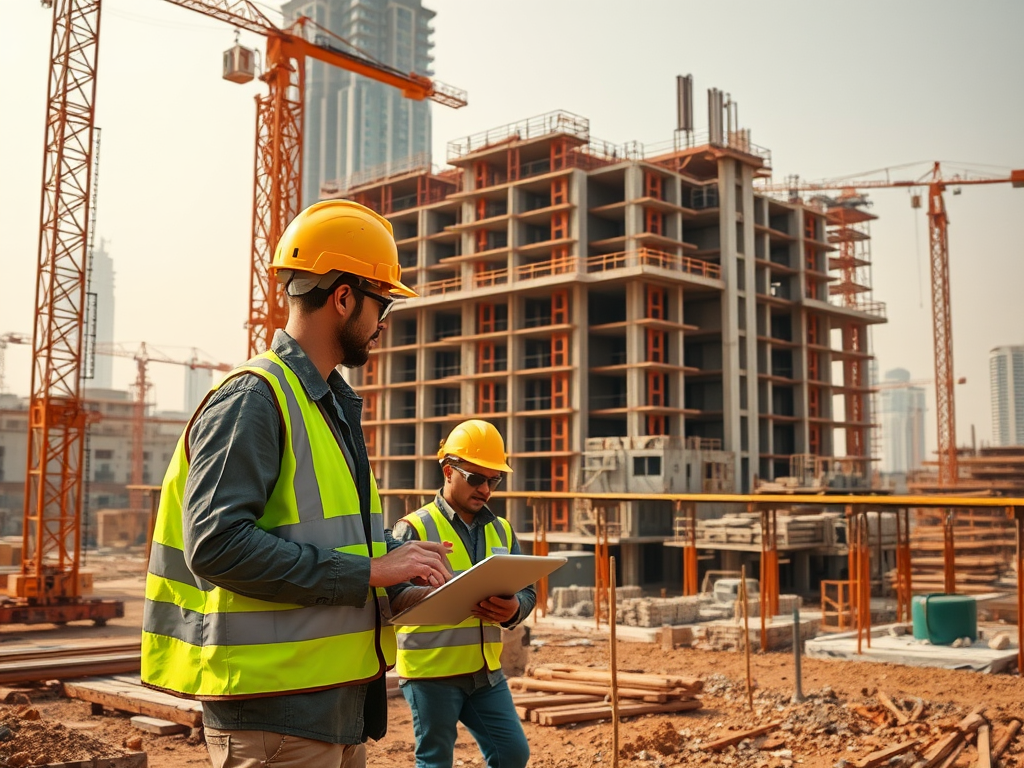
<point x="439" y="287"/>
<point x="648" y="257"/>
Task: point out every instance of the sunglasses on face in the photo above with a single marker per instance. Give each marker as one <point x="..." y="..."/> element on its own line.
<point x="475" y="479"/>
<point x="387" y="303"/>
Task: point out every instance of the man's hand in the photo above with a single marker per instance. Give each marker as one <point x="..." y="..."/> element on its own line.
<point x="497" y="609"/>
<point x="422" y="562"/>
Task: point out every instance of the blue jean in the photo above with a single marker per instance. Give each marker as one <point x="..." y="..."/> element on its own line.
<point x="488" y="714"/>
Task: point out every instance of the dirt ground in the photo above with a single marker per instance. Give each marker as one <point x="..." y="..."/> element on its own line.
<point x="841" y="720"/>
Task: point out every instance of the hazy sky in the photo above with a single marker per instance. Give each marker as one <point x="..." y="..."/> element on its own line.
<point x="831" y="88"/>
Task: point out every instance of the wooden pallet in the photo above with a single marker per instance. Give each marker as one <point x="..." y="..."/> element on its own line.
<point x="127" y="694"/>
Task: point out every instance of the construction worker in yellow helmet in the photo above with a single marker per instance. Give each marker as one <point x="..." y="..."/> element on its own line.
<point x="452" y="674"/>
<point x="272" y="579"/>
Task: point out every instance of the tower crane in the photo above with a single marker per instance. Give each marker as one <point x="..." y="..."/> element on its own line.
<point x="47" y="589"/>
<point x="143" y="356"/>
<point x="934" y="182"/>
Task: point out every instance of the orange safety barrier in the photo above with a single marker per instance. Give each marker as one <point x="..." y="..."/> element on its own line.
<point x="559" y="191"/>
<point x="559" y="225"/>
<point x="657" y="302"/>
<point x="836" y="608"/>
<point x="653" y="184"/>
<point x="486" y="397"/>
<point x="654" y="221"/>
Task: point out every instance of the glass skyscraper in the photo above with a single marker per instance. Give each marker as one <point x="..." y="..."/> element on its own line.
<point x="355" y="126"/>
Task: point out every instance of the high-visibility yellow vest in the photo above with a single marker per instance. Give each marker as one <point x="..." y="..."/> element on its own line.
<point x="205" y="642"/>
<point x="444" y="650"/>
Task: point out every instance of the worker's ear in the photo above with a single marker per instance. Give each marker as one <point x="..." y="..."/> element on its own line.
<point x="343" y="299"/>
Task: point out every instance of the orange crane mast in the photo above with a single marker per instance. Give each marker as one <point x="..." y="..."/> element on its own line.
<point x="47" y="589"/>
<point x="141" y="389"/>
<point x="279" y="124"/>
<point x="935" y="181"/>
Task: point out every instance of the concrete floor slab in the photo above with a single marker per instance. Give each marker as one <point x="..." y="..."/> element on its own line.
<point x="904" y="649"/>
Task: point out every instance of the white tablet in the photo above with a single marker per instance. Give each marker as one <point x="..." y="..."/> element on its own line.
<point x="503" y="575"/>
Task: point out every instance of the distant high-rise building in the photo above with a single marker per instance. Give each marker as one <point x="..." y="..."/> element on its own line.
<point x="1006" y="375"/>
<point x="102" y="284"/>
<point x="353" y="123"/>
<point x="198" y="382"/>
<point x="902" y="412"/>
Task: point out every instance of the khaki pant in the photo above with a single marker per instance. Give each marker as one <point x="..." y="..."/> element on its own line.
<point x="255" y="749"/>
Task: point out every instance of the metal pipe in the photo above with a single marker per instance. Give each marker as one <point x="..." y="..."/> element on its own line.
<point x="798" y="648"/>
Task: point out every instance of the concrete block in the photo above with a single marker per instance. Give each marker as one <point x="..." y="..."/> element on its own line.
<point x="1000" y="642"/>
<point x="158" y="726"/>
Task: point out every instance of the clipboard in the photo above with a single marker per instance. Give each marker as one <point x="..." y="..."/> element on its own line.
<point x="453" y="602"/>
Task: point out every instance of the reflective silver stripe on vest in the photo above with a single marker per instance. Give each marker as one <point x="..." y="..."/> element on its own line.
<point x="433" y="534"/>
<point x="327" y="532"/>
<point x="377" y="526"/>
<point x="502" y="535"/>
<point x="307" y="489"/>
<point x="255" y="627"/>
<point x="447" y="638"/>
<point x="169" y="563"/>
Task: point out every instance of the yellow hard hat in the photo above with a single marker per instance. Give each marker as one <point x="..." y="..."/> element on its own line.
<point x="477" y="442"/>
<point x="342" y="236"/>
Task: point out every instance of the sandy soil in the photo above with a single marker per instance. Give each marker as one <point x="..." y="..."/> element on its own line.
<point x="840" y="720"/>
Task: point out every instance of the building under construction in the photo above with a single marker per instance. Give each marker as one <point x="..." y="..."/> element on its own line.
<point x="631" y="318"/>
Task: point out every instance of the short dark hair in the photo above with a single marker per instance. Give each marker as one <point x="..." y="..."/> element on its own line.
<point x="311" y="301"/>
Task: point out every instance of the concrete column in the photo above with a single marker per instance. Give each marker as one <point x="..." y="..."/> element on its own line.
<point x="629" y="564"/>
<point x="635" y="382"/>
<point x="578" y="218"/>
<point x="801" y="572"/>
<point x="730" y="314"/>
<point x="579" y="356"/>
<point x="634" y="189"/>
<point x="745" y="177"/>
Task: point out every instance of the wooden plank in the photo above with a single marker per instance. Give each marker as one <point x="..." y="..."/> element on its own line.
<point x="739" y="736"/>
<point x="941" y="749"/>
<point x="984" y="746"/>
<point x="141" y="701"/>
<point x="158" y="726"/>
<point x="888" y="703"/>
<point x="952" y="756"/>
<point x="625" y="710"/>
<point x="1005" y="739"/>
<point x="564" y="686"/>
<point x="885" y="755"/>
<point x="629" y="679"/>
<point x="524" y="708"/>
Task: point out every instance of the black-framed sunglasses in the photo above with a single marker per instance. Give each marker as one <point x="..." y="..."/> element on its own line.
<point x="387" y="303"/>
<point x="475" y="479"/>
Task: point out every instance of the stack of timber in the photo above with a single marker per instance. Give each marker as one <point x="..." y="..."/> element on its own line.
<point x="792" y="530"/>
<point x="984" y="538"/>
<point x="557" y="694"/>
<point x="984" y="545"/>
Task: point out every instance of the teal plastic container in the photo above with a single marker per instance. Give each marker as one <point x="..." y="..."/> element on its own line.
<point x="941" y="618"/>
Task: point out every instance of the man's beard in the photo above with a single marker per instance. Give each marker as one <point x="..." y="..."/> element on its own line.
<point x="355" y="351"/>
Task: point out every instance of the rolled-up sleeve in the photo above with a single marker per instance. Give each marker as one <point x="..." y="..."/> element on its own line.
<point x="235" y="448"/>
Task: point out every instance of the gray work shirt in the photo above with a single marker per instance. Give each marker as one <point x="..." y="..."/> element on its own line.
<point x="236" y="444"/>
<point x="474" y="540"/>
